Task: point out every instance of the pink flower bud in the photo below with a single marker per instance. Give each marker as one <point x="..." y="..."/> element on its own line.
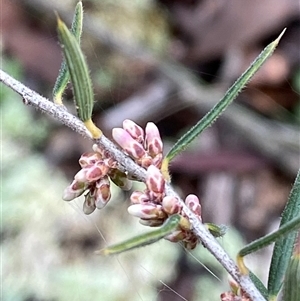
<point x="153" y="139"/>
<point x="81" y="175"/>
<point x="138" y="197"/>
<point x="171" y="205"/>
<point x="111" y="162"/>
<point x="89" y="204"/>
<point x="74" y="190"/>
<point x="193" y="203"/>
<point x="89" y="159"/>
<point x="154" y="180"/>
<point x="135" y="131"/>
<point x="155" y="197"/>
<point x="145" y="161"/>
<point x="97" y="171"/>
<point x="157" y="160"/>
<point x="147" y="211"/>
<point x="102" y="192"/>
<point x="131" y="146"/>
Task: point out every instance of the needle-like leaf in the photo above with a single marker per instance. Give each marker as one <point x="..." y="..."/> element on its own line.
<point x="217" y="110"/>
<point x="144" y="239"/>
<point x="63" y="75"/>
<point x="284" y="230"/>
<point x="80" y="78"/>
<point x="283" y="248"/>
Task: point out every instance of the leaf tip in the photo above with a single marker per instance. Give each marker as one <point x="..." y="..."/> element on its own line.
<point x="102" y="252"/>
<point x="59" y="21"/>
<point x="280" y="36"/>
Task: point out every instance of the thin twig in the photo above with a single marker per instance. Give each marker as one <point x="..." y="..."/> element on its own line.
<point x="127" y="164"/>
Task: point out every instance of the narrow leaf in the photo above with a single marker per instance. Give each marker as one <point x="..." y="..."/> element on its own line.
<point x="63" y="75"/>
<point x="216" y="111"/>
<point x="78" y="72"/>
<point x="80" y="78"/>
<point x="145" y="239"/>
<point x="259" y="285"/>
<point x="288" y="228"/>
<point x="291" y="288"/>
<point x="283" y="248"/>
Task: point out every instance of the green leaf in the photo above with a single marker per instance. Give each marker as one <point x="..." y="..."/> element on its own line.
<point x="278" y="235"/>
<point x="63" y="75"/>
<point x="144" y="239"/>
<point x="283" y="248"/>
<point x="79" y="73"/>
<point x="259" y="285"/>
<point x="291" y="289"/>
<point x="230" y="95"/>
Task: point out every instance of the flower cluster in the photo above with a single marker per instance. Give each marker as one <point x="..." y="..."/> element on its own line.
<point x="145" y="147"/>
<point x="152" y="205"/>
<point x="93" y="178"/>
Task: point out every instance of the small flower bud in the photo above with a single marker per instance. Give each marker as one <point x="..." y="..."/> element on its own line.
<point x="153" y="139"/>
<point x="157" y="160"/>
<point x="147" y="211"/>
<point x="97" y="171"/>
<point x="132" y="147"/>
<point x="138" y="197"/>
<point x="145" y="161"/>
<point x="74" y="190"/>
<point x="81" y="175"/>
<point x="171" y="205"/>
<point x="87" y="159"/>
<point x="89" y="204"/>
<point x="135" y="131"/>
<point x="193" y="203"/>
<point x="154" y="180"/>
<point x="102" y="192"/>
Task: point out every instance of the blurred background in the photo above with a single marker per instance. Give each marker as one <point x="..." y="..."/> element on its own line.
<point x="163" y="61"/>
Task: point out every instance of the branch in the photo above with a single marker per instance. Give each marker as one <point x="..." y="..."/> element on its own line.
<point x="127" y="164"/>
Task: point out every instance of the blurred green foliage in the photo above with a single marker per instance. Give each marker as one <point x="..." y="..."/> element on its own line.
<point x="17" y="120"/>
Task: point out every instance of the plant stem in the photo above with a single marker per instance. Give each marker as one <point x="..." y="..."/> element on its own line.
<point x="127" y="164"/>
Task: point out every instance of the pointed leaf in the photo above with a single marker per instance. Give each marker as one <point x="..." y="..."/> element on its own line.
<point x="283" y="248"/>
<point x="216" y="111"/>
<point x="63" y="75"/>
<point x="77" y="66"/>
<point x="259" y="285"/>
<point x="291" y="288"/>
<point x="144" y="239"/>
<point x="285" y="230"/>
